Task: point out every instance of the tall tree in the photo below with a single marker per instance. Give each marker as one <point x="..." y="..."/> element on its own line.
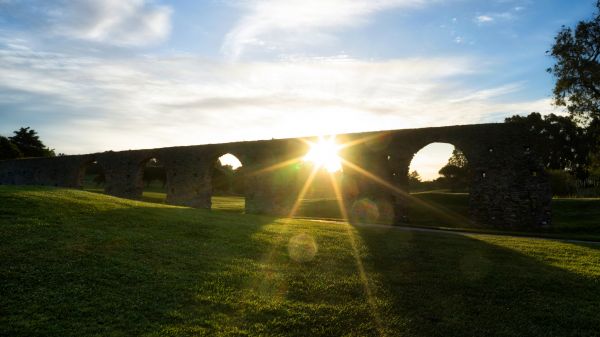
<point x="8" y="150"/>
<point x="577" y="68"/>
<point x="29" y="143"/>
<point x="456" y="172"/>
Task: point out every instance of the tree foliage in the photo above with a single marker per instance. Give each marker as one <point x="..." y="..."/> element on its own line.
<point x="566" y="144"/>
<point x="458" y="159"/>
<point x="8" y="150"/>
<point x="577" y="68"/>
<point x="226" y="180"/>
<point x="29" y="143"/>
<point x="414" y="176"/>
<point x="414" y="180"/>
<point x="455" y="174"/>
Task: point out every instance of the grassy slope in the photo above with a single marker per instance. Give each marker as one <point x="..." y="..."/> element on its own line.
<point x="74" y="263"/>
<point x="572" y="218"/>
<point x="577" y="218"/>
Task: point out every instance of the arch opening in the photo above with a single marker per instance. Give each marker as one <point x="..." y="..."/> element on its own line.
<point x="319" y="179"/>
<point x="154" y="181"/>
<point x="438" y="183"/>
<point x="91" y="177"/>
<point x="227" y="188"/>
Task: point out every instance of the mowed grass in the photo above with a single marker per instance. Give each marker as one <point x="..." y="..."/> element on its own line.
<point x="74" y="263"/>
<point x="573" y="218"/>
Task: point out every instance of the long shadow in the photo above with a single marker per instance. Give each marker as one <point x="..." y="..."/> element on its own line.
<point x="178" y="271"/>
<point x="443" y="285"/>
<point x="129" y="271"/>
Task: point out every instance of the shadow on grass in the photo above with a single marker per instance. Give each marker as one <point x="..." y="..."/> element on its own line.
<point x="450" y="285"/>
<point x="141" y="270"/>
<point x="119" y="272"/>
<point x="572" y="218"/>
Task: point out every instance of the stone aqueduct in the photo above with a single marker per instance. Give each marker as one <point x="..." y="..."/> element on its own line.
<point x="508" y="185"/>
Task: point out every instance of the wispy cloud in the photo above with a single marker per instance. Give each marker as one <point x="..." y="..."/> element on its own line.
<point x="278" y="24"/>
<point x="161" y="101"/>
<point x="496" y="17"/>
<point x="484" y="18"/>
<point x="114" y="22"/>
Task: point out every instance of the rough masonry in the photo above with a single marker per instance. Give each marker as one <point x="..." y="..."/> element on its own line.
<point x="508" y="185"/>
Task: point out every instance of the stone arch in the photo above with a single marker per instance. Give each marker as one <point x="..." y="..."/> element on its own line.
<point x="226" y="182"/>
<point x="446" y="206"/>
<point x="188" y="172"/>
<point x="83" y="169"/>
<point x="402" y="148"/>
<point x="152" y="169"/>
<point x="414" y="155"/>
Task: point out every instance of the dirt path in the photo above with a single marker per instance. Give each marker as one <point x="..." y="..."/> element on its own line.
<point x="461" y="232"/>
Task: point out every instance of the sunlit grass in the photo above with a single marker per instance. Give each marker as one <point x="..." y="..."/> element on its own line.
<point x="74" y="263"/>
<point x="576" y="218"/>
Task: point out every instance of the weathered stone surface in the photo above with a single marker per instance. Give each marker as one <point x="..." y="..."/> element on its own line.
<point x="509" y="187"/>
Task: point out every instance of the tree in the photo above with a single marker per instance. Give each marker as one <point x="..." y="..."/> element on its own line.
<point x="451" y="171"/>
<point x="566" y="144"/>
<point x="8" y="150"/>
<point x="455" y="174"/>
<point x="577" y="68"/>
<point x="414" y="177"/>
<point x="29" y="143"/>
<point x="222" y="178"/>
<point x="457" y="159"/>
<point x="415" y="182"/>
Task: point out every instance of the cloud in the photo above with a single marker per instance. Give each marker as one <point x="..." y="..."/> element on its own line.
<point x="88" y="104"/>
<point x="484" y="18"/>
<point x="486" y="94"/>
<point x="495" y="17"/>
<point x="277" y="24"/>
<point x="112" y="22"/>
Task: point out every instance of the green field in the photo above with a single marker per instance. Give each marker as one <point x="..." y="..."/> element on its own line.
<point x="573" y="218"/>
<point x="74" y="263"/>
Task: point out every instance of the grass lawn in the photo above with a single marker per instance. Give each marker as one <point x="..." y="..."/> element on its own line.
<point x="74" y="263"/>
<point x="574" y="218"/>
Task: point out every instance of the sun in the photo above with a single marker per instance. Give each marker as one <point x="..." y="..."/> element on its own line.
<point x="324" y="153"/>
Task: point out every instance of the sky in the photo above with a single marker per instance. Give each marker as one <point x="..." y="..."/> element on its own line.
<point x="94" y="75"/>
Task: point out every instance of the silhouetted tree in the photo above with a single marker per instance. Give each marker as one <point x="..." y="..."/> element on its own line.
<point x="577" y="68"/>
<point x="414" y="176"/>
<point x="566" y="145"/>
<point x="414" y="180"/>
<point x="29" y="143"/>
<point x="222" y="178"/>
<point x="8" y="150"/>
<point x="455" y="174"/>
<point x="458" y="159"/>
